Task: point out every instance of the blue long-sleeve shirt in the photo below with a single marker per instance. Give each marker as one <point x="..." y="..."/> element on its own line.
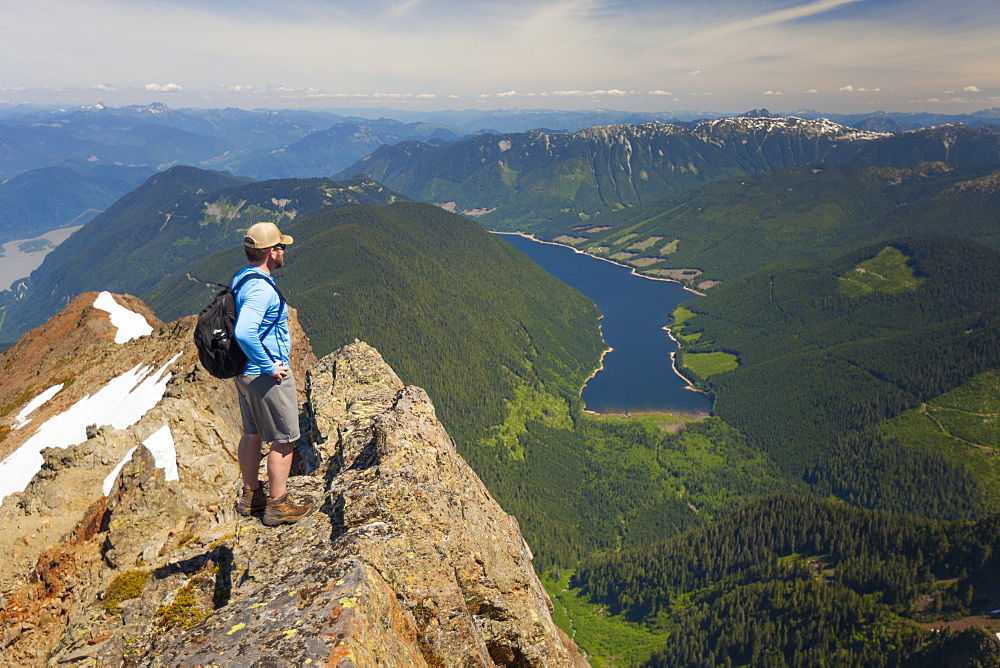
<point x="257" y="306"/>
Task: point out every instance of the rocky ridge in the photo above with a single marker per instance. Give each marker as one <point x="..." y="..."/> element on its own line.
<point x="407" y="561"/>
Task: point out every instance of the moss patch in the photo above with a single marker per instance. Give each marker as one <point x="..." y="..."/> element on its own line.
<point x="126" y="586"/>
<point x="184" y="612"/>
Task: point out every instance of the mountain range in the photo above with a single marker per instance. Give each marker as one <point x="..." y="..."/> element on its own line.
<point x="87" y="158"/>
<point x="526" y="180"/>
<point x="105" y="143"/>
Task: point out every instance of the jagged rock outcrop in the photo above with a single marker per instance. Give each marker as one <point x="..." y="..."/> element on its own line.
<point x="407" y="559"/>
<point x="410" y="559"/>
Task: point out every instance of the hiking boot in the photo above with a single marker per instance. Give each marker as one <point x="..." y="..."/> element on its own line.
<point x="252" y="501"/>
<point x="284" y="511"/>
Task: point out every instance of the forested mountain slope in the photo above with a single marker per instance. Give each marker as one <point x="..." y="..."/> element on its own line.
<point x="790" y="580"/>
<point x="523" y="180"/>
<point x="731" y="227"/>
<point x="860" y="339"/>
<point x="175" y="218"/>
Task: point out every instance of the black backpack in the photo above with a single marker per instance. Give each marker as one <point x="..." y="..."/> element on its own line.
<point x="218" y="350"/>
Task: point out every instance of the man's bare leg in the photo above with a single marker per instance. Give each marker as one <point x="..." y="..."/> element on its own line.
<point x="248" y="455"/>
<point x="279" y="465"/>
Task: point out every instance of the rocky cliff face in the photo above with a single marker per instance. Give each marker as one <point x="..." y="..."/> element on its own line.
<point x="407" y="561"/>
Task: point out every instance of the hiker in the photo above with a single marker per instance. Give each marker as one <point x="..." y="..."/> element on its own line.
<point x="268" y="400"/>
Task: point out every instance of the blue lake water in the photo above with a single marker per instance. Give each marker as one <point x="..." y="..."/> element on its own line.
<point x="637" y="374"/>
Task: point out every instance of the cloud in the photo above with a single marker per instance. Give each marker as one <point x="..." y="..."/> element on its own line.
<point x="314" y="94"/>
<point x="772" y="92"/>
<point x="658" y="92"/>
<point x="851" y="89"/>
<point x="106" y="88"/>
<point x="574" y="93"/>
<point x="971" y="89"/>
<point x="163" y="88"/>
<point x="587" y="93"/>
<point x="777" y="17"/>
<point x="811" y="91"/>
<point x="694" y="73"/>
<point x="956" y="100"/>
<point x="403" y="8"/>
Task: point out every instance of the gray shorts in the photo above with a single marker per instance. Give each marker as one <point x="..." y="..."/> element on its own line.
<point x="269" y="408"/>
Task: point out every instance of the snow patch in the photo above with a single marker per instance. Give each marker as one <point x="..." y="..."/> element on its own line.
<point x="131" y="325"/>
<point x="22" y="417"/>
<point x="817" y="127"/>
<point x="109" y="481"/>
<point x="120" y="403"/>
<point x="161" y="444"/>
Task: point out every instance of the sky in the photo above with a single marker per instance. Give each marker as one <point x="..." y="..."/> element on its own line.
<point x="843" y="56"/>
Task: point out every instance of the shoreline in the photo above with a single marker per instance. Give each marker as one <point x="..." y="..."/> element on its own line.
<point x="603" y="259"/>
<point x="600" y="362"/>
<point x="673" y="364"/>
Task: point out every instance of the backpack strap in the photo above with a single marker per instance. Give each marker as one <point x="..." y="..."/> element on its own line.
<point x="281" y="305"/>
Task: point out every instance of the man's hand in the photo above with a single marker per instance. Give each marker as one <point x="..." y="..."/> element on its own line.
<point x="280" y="372"/>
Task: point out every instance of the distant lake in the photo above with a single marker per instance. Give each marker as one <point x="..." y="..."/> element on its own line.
<point x="637" y="374"/>
<point x="22" y="256"/>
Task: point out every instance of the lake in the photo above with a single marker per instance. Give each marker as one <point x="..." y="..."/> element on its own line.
<point x="23" y="256"/>
<point x="637" y="374"/>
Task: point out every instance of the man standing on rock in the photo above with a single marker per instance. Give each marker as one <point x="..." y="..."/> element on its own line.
<point x="268" y="400"/>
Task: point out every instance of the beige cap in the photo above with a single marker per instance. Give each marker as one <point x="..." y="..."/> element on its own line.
<point x="265" y="235"/>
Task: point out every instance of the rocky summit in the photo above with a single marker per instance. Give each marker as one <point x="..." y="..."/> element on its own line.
<point x="407" y="559"/>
